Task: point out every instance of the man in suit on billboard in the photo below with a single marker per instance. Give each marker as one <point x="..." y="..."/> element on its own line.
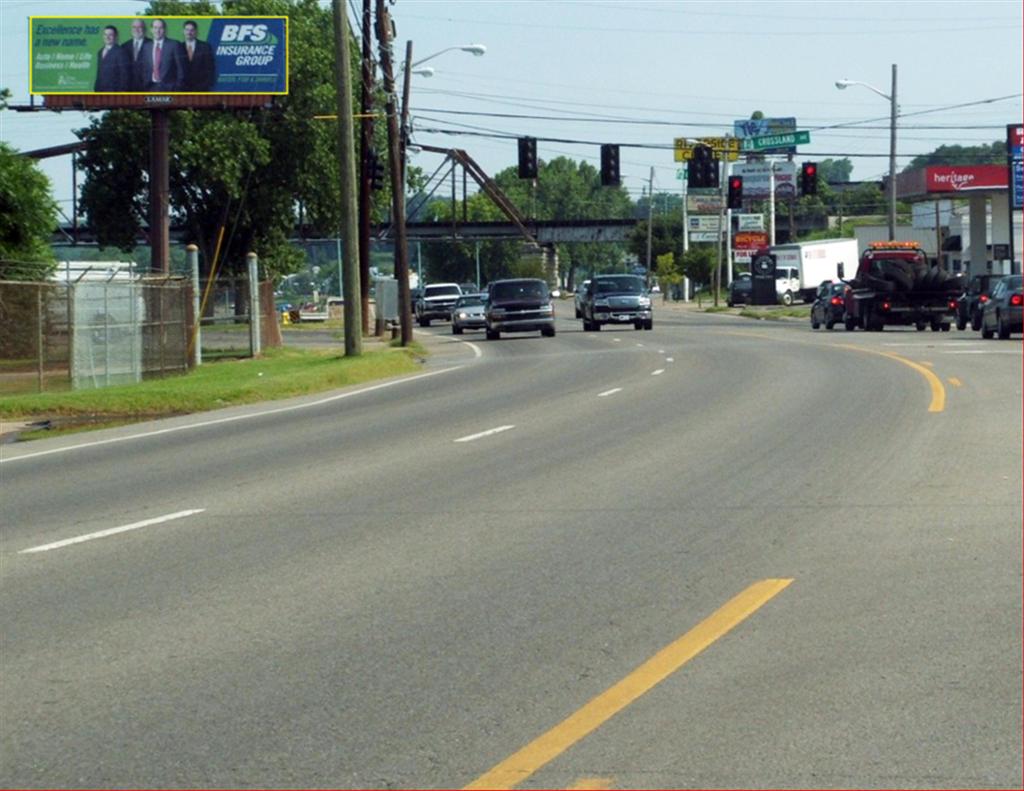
<point x="138" y="49"/>
<point x="164" y="69"/>
<point x="113" y="69"/>
<point x="200" y="67"/>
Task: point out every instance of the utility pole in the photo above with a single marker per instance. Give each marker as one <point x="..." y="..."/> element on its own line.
<point x="365" y="144"/>
<point x="397" y="169"/>
<point x="650" y="214"/>
<point x="347" y="167"/>
<point x="892" y="156"/>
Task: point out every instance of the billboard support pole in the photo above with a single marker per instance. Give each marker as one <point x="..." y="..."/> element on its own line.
<point x="159" y="189"/>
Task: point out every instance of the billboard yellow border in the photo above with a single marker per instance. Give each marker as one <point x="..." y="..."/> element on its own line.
<point x="287" y="55"/>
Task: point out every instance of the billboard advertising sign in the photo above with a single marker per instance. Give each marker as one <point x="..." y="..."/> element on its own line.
<point x="749" y="240"/>
<point x="171" y="55"/>
<point x="1015" y="156"/>
<point x="761" y="127"/>
<point x="756" y="179"/>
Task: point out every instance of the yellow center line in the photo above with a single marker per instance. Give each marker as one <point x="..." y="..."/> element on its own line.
<point x="938" y="402"/>
<point x="955" y="382"/>
<point x="929" y="364"/>
<point x="591" y="784"/>
<point x="519" y="766"/>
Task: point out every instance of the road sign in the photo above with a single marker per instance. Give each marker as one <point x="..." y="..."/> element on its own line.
<point x="776" y="141"/>
<point x="709" y="202"/>
<point x="681" y="173"/>
<point x="749" y="222"/>
<point x="704" y="236"/>
<point x="728" y="146"/>
<point x="704" y="222"/>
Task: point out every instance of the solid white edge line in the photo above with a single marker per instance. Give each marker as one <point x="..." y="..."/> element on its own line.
<point x="232" y="419"/>
<point x="613" y="391"/>
<point x="659" y="372"/>
<point x="477" y="351"/>
<point x="487" y="433"/>
<point x="112" y="531"/>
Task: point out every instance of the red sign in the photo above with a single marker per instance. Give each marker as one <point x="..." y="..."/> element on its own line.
<point x="964" y="178"/>
<point x="749" y="240"/>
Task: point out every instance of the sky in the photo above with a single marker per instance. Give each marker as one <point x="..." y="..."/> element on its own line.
<point x="578" y="73"/>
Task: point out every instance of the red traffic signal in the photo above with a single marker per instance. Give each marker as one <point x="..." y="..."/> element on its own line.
<point x="809" y="178"/>
<point x="734" y="200"/>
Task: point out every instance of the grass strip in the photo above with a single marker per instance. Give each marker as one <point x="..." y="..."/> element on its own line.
<point x="280" y="373"/>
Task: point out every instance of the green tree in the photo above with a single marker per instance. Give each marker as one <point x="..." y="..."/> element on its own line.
<point x="832" y="171"/>
<point x="698" y="263"/>
<point x="28" y="217"/>
<point x="247" y="172"/>
<point x="993" y="154"/>
<point x="669" y="275"/>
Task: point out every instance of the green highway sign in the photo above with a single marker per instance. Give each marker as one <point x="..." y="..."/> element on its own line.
<point x="681" y="173"/>
<point x="776" y="141"/>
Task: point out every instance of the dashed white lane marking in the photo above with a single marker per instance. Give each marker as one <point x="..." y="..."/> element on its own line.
<point x="670" y="359"/>
<point x="613" y="391"/>
<point x="112" y="531"/>
<point x="640" y="345"/>
<point x="659" y="372"/>
<point x="617" y="340"/>
<point x="985" y="351"/>
<point x="487" y="433"/>
<point x="661" y="351"/>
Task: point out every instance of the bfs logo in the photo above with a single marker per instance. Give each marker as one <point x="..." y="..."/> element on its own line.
<point x="253" y="33"/>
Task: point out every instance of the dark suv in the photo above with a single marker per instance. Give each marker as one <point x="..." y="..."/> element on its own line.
<point x="971" y="302"/>
<point x="616" y="299"/>
<point x="521" y="305"/>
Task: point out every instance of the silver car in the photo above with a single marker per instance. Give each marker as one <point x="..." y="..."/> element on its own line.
<point x="468" y="313"/>
<point x="579" y="298"/>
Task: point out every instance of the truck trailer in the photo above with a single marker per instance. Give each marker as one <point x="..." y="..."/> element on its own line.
<point x="808" y="264"/>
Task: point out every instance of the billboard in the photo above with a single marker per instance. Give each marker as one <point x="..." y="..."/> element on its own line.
<point x="759" y="127"/>
<point x="170" y="56"/>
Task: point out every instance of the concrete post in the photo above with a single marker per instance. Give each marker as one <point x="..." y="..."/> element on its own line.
<point x="252" y="261"/>
<point x="192" y="254"/>
<point x="979" y="233"/>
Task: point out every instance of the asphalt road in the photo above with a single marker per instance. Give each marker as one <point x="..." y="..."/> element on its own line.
<point x="722" y="553"/>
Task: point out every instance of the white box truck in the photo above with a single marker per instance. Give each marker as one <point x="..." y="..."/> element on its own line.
<point x="800" y="267"/>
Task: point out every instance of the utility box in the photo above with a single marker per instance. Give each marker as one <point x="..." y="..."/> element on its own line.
<point x="762" y="287"/>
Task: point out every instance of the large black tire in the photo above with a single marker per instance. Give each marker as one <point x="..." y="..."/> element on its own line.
<point x="945" y="326"/>
<point x="424" y="322"/>
<point x="638" y="325"/>
<point x="850" y="323"/>
<point x="935" y="325"/>
<point x="814" y="322"/>
<point x="579" y="315"/>
<point x="830" y="324"/>
<point x="903" y="278"/>
<point x="548" y="332"/>
<point x="493" y="335"/>
<point x="456" y="329"/>
<point x="649" y="324"/>
<point x="879" y="284"/>
<point x="976" y="320"/>
<point x="986" y="333"/>
<point x="787" y="298"/>
<point x="961" y="324"/>
<point x="920" y="326"/>
<point x="1004" y="332"/>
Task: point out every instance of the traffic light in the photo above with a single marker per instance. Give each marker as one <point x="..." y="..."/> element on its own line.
<point x="375" y="169"/>
<point x="735" y="197"/>
<point x="703" y="168"/>
<point x="809" y="178"/>
<point x="610" y="166"/>
<point x="527" y="157"/>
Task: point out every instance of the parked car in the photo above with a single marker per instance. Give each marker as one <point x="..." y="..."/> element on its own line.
<point x="578" y="298"/>
<point x="1003" y="311"/>
<point x="616" y="299"/>
<point x="468" y="313"/>
<point x="519" y="305"/>
<point x="970" y="303"/>
<point x="740" y="289"/>
<point x="436" y="302"/>
<point x="828" y="305"/>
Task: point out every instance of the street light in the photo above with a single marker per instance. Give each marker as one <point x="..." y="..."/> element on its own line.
<point x="893" y="109"/>
<point x="409" y="67"/>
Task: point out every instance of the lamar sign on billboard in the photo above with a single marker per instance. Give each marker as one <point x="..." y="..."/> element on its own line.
<point x="112" y="56"/>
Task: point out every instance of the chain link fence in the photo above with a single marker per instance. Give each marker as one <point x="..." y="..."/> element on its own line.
<point x="60" y="336"/>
